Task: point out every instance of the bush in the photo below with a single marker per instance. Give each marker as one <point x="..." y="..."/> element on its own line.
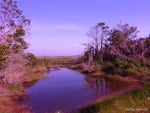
<point x="125" y="64"/>
<point x="122" y="67"/>
<point x="108" y="68"/>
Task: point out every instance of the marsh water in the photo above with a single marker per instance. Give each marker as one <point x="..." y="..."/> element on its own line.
<point x="66" y="90"/>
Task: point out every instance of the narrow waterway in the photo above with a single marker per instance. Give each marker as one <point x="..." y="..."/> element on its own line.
<point x="66" y="90"/>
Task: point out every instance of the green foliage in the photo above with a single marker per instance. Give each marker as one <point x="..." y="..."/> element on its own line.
<point x="3" y="53"/>
<point x="17" y="42"/>
<point x="116" y="38"/>
<point x="20" y="32"/>
<point x="119" y="66"/>
<point x="32" y="59"/>
<point x="46" y="61"/>
<point x="14" y="88"/>
<point x="124" y="64"/>
<point x="108" y="67"/>
<point x="147" y="63"/>
<point x="15" y="26"/>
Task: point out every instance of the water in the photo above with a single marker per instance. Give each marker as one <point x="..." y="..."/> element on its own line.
<point x="66" y="90"/>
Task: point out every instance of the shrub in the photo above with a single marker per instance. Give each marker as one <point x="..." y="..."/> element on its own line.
<point x="108" y="68"/>
<point x="119" y="66"/>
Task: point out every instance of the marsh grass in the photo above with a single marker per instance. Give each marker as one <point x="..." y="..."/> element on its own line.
<point x="14" y="89"/>
<point x="9" y="101"/>
<point x="134" y="102"/>
<point x="34" y="74"/>
<point x="57" y="61"/>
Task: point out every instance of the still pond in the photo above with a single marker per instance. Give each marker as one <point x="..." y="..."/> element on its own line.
<point x="66" y="90"/>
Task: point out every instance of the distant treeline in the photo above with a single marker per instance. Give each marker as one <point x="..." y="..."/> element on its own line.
<point x="51" y="61"/>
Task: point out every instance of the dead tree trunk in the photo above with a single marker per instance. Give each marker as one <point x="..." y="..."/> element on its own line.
<point x="90" y="59"/>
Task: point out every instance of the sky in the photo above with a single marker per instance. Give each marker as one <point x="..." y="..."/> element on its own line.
<point x="59" y="27"/>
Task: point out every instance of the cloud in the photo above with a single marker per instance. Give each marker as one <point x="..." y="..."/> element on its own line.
<point x="57" y="27"/>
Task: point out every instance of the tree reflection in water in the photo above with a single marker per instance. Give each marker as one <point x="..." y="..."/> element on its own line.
<point x="103" y="86"/>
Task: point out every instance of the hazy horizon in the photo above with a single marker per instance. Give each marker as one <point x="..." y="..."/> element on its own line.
<point x="59" y="27"/>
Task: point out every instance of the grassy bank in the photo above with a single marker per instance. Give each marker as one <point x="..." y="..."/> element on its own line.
<point x="9" y="97"/>
<point x="133" y="100"/>
<point x="137" y="101"/>
<point x="10" y="94"/>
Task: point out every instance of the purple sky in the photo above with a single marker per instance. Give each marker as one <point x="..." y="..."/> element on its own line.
<point x="59" y="26"/>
